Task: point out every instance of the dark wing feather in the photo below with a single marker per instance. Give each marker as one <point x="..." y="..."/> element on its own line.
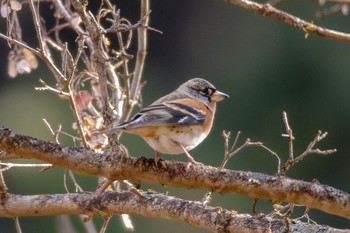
<point x="171" y="113"/>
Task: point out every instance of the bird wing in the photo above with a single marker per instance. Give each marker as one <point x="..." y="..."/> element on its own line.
<point x="166" y="113"/>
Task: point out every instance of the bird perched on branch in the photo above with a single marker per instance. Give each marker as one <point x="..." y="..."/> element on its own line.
<point x="178" y="122"/>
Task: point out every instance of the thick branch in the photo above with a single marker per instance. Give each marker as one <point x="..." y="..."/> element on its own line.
<point x="114" y="167"/>
<point x="151" y="205"/>
<point x="306" y="27"/>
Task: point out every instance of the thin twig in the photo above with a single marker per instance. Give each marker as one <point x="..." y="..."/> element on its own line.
<point x="46" y="87"/>
<point x="78" y="188"/>
<point x="229" y="153"/>
<point x="43" y="50"/>
<point x="37" y="26"/>
<point x="58" y="132"/>
<point x="142" y="49"/>
<point x="8" y="166"/>
<point x="103" y="187"/>
<point x="89" y="226"/>
<point x="105" y="224"/>
<point x="18" y="226"/>
<point x="309" y="150"/>
<point x="3" y="187"/>
<point x="76" y="114"/>
<point x="306" y="27"/>
<point x="140" y="58"/>
<point x="289" y="135"/>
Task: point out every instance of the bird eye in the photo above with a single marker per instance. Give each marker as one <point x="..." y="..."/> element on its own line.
<point x="206" y="92"/>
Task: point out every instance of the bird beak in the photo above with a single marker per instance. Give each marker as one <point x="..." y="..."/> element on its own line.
<point x="218" y="96"/>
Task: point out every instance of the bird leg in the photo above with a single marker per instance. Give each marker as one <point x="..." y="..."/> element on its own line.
<point x="157" y="156"/>
<point x="190" y="159"/>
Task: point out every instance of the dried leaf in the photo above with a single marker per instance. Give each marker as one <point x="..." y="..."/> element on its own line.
<point x="30" y="57"/>
<point x="321" y="2"/>
<point x="23" y="66"/>
<point x="83" y="99"/>
<point x="11" y="67"/>
<point x="345" y="9"/>
<point x="76" y="21"/>
<point x="15" y="5"/>
<point x="97" y="141"/>
<point x="5" y="10"/>
<point x="107" y="41"/>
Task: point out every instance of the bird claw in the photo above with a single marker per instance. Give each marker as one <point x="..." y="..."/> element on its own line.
<point x="192" y="163"/>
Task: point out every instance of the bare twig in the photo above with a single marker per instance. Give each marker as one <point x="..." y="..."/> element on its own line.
<point x="309" y="150"/>
<point x="7" y="166"/>
<point x="306" y="27"/>
<point x="133" y="92"/>
<point x="37" y="25"/>
<point x="3" y="188"/>
<point x="75" y="183"/>
<point x="78" y="188"/>
<point x="43" y="50"/>
<point x="58" y="132"/>
<point x="233" y="151"/>
<point x="103" y="187"/>
<point x="289" y="135"/>
<point x="46" y="87"/>
<point x="230" y="152"/>
<point x="20" y="43"/>
<point x="76" y="114"/>
<point x="142" y="50"/>
<point x="106" y="220"/>
<point x="18" y="226"/>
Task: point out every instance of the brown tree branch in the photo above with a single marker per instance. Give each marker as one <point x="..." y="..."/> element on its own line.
<point x="214" y="219"/>
<point x="305" y="26"/>
<point x="115" y="167"/>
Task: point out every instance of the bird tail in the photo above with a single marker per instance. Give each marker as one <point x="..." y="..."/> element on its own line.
<point x="113" y="130"/>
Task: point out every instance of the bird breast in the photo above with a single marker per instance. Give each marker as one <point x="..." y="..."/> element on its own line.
<point x="167" y="142"/>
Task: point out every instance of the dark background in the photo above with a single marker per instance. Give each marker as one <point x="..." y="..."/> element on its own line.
<point x="266" y="66"/>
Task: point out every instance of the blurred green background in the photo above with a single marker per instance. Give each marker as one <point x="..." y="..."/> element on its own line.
<point x="266" y="67"/>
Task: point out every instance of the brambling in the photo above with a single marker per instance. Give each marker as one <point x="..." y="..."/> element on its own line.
<point x="178" y="122"/>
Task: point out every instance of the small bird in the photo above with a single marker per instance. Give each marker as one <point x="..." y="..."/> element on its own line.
<point x="178" y="122"/>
